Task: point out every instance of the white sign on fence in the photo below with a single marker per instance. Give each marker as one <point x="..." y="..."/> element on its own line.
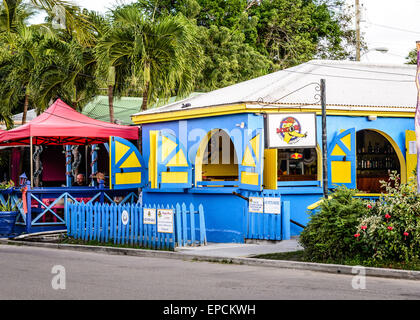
<point x="124" y="217"/>
<point x="272" y="205"/>
<point x="149" y="216"/>
<point x="165" y="220"/>
<point x="256" y="204"/>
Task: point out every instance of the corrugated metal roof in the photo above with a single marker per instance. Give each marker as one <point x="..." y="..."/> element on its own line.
<point x="349" y="85"/>
<point x="124" y="107"/>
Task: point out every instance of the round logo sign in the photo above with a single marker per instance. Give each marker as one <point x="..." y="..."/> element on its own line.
<point x="290" y="130"/>
<point x="124" y="217"/>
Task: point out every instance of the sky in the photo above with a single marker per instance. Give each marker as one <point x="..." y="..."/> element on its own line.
<point x="390" y="24"/>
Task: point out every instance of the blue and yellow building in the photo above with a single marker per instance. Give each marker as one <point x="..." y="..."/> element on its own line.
<point x="214" y="149"/>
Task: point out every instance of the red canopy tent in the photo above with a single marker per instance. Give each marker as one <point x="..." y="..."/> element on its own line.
<point x="60" y="124"/>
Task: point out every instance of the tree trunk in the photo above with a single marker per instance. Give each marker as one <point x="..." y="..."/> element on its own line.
<point x="25" y="109"/>
<point x="111" y="103"/>
<point x="145" y="94"/>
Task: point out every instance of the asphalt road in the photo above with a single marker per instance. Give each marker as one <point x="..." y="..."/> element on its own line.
<point x="34" y="273"/>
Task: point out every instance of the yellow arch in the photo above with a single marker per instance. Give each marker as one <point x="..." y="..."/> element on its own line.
<point x="200" y="153"/>
<point x="401" y="159"/>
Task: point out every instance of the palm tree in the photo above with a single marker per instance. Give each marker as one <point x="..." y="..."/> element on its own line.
<point x="162" y="55"/>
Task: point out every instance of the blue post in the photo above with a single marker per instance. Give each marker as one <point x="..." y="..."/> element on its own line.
<point x="94" y="162"/>
<point x="68" y="166"/>
<point x="203" y="236"/>
<point x="102" y="186"/>
<point x="28" y="206"/>
<point x="192" y="224"/>
<point x="286" y="221"/>
<point x="178" y="225"/>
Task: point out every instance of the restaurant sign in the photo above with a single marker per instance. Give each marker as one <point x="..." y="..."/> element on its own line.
<point x="291" y="130"/>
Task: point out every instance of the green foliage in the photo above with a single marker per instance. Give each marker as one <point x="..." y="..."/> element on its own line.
<point x="8" y="206"/>
<point x="391" y="229"/>
<point x="158" y="48"/>
<point x="228" y="59"/>
<point x="329" y="235"/>
<point x="411" y="58"/>
<point x="7" y="184"/>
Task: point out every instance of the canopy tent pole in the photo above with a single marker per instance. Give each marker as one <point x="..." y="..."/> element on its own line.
<point x="31" y="162"/>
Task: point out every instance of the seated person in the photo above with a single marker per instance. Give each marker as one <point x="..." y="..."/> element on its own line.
<point x="80" y="181"/>
<point x="99" y="177"/>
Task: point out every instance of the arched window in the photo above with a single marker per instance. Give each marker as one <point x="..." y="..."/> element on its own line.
<point x="216" y="158"/>
<point x="376" y="158"/>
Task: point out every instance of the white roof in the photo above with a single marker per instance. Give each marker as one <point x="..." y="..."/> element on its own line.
<point x="349" y="85"/>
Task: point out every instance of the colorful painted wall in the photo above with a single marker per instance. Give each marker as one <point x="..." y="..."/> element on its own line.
<point x="226" y="213"/>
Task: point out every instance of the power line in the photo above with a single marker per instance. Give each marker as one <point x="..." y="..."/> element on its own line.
<point x="393" y="28"/>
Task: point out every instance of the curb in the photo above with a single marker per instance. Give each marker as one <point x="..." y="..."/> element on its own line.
<point x="309" y="266"/>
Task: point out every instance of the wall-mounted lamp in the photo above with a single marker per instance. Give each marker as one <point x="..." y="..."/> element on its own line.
<point x="372" y="118"/>
<point x="241" y="125"/>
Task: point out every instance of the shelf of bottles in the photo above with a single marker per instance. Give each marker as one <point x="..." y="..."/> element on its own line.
<point x="376" y="158"/>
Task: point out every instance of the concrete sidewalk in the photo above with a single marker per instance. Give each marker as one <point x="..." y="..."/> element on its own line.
<point x="241" y="250"/>
<point x="236" y="253"/>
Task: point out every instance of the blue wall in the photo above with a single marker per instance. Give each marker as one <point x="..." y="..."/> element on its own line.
<point x="225" y="213"/>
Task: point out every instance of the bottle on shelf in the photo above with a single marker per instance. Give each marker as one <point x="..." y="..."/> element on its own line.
<point x="370" y="148"/>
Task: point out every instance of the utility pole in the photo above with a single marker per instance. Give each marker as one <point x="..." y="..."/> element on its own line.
<point x="324" y="140"/>
<point x="357" y="4"/>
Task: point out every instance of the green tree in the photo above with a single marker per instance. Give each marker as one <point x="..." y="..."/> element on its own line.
<point x="228" y="59"/>
<point x="411" y="58"/>
<point x="162" y="55"/>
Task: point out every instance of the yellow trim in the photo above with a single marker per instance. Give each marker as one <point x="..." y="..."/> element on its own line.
<point x="319" y="162"/>
<point x="189" y="114"/>
<point x="270" y="169"/>
<point x="153" y="159"/>
<point x="337" y="151"/>
<point x="410" y="135"/>
<point x="248" y="161"/>
<point x="317" y="204"/>
<point x="127" y="178"/>
<point x="131" y="162"/>
<point x="249" y="178"/>
<point x="340" y="172"/>
<point x="247" y="108"/>
<point x="200" y="154"/>
<point x="167" y="147"/>
<point x="174" y="177"/>
<point x="120" y="150"/>
<point x="346" y="140"/>
<point x="178" y="160"/>
<point x="109" y="162"/>
<point x="255" y="144"/>
<point x="367" y="194"/>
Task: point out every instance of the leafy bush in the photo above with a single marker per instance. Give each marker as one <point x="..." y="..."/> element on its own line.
<point x="390" y="231"/>
<point x="329" y="235"/>
<point x="8" y="206"/>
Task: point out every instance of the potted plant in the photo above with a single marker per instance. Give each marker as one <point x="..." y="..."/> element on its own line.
<point x="8" y="215"/>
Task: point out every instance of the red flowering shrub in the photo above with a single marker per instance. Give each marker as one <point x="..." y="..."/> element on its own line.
<point x="391" y="230"/>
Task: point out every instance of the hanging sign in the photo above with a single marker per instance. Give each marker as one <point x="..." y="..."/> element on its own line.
<point x="291" y="130"/>
<point x="165" y="220"/>
<point x="272" y="205"/>
<point x="256" y="204"/>
<point x="149" y="216"/>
